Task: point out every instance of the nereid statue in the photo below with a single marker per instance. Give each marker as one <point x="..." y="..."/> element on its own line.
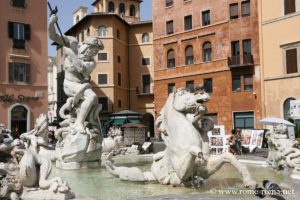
<point x="80" y="138"/>
<point x="282" y="153"/>
<point x="24" y="172"/>
<point x="186" y="159"/>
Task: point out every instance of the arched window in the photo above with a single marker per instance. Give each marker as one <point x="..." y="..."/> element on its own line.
<point x="111" y="7"/>
<point x="189" y="55"/>
<point x="171" y="58"/>
<point x="132" y="10"/>
<point x="206" y="52"/>
<point x="102" y="31"/>
<point x="286" y="108"/>
<point x="77" y="18"/>
<point x="122" y="9"/>
<point x="145" y="37"/>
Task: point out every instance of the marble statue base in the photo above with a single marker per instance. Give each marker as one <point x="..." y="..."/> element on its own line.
<point x="78" y="165"/>
<point x="36" y="194"/>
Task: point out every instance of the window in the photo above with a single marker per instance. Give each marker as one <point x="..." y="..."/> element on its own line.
<point x="119" y="59"/>
<point x="246" y="47"/>
<point x="207" y="52"/>
<point x="102" y="79"/>
<point x="102" y="57"/>
<point x="19" y="32"/>
<point x="291" y="61"/>
<point x="119" y="79"/>
<point x="18" y="3"/>
<point x="19" y="72"/>
<point x="77" y="18"/>
<point x="248" y="82"/>
<point x="169" y="3"/>
<point x="286" y="108"/>
<point x="236" y="83"/>
<point x="171" y="58"/>
<point x="118" y="34"/>
<point x="189" y="55"/>
<point x="170" y="87"/>
<point x="119" y="103"/>
<point x="145" y="61"/>
<point x="234" y="10"/>
<point x="289" y="6"/>
<point x="246" y="8"/>
<point x="235" y="48"/>
<point x="190" y="86"/>
<point x="132" y="10"/>
<point x="122" y="9"/>
<point x="102" y="31"/>
<point x="145" y="38"/>
<point x="111" y="7"/>
<point x="88" y="32"/>
<point x="169" y="27"/>
<point x="206" y="18"/>
<point x="104" y="102"/>
<point x="188" y="22"/>
<point x="247" y="55"/>
<point x="146" y="83"/>
<point x="244" y="120"/>
<point x="208" y="85"/>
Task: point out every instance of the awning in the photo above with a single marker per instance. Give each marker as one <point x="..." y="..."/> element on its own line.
<point x="119" y="121"/>
<point x="108" y="122"/>
<point x="135" y="121"/>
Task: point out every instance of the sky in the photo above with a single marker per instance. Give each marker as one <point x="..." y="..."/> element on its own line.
<point x="65" y="14"/>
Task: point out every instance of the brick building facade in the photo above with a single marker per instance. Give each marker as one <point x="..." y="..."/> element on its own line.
<point x="215" y="42"/>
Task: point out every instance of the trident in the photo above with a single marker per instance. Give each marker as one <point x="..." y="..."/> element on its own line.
<point x="52" y="13"/>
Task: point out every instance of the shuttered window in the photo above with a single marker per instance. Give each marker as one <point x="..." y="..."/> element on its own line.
<point x="248" y="82"/>
<point x="170" y="87"/>
<point x="19" y="72"/>
<point x="19" y="33"/>
<point x="289" y="6"/>
<point x="170" y="58"/>
<point x="102" y="79"/>
<point x="146" y="83"/>
<point x="234" y="11"/>
<point x="169" y="27"/>
<point x="104" y="102"/>
<point x="188" y="22"/>
<point x="18" y="3"/>
<point x="189" y="55"/>
<point x="291" y="61"/>
<point x="190" y="86"/>
<point x="246" y="8"/>
<point x="169" y="3"/>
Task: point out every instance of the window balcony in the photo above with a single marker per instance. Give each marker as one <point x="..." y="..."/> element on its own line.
<point x="240" y="61"/>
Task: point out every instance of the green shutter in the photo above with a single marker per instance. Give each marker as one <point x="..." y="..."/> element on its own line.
<point x="27" y="73"/>
<point x="11" y="72"/>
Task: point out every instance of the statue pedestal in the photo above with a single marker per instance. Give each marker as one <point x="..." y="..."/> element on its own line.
<point x="37" y="194"/>
<point x="78" y="165"/>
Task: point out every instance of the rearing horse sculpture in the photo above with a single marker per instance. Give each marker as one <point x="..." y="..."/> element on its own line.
<point x="186" y="155"/>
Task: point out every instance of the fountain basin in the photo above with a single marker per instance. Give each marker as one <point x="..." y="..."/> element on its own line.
<point x="99" y="184"/>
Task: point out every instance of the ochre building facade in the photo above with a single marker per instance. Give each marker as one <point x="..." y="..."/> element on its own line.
<point x="23" y="61"/>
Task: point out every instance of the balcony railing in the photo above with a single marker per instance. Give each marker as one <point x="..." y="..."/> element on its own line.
<point x="236" y="61"/>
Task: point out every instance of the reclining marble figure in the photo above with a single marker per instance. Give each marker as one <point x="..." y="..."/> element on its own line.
<point x="24" y="175"/>
<point x="186" y="157"/>
<point x="80" y="137"/>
